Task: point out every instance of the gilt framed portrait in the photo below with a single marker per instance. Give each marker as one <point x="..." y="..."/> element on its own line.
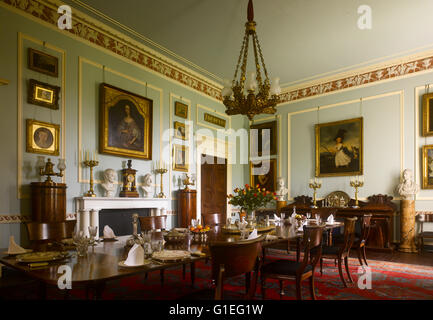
<point x="42" y="137"/>
<point x="125" y="123"/>
<point x="42" y="62"/>
<point x="181" y="110"/>
<point x="339" y="148"/>
<point x="427" y="167"/>
<point x="180" y="157"/>
<point x="43" y="94"/>
<point x="427" y="114"/>
<point x="180" y="130"/>
<point x="264" y="174"/>
<point x="263" y="139"/>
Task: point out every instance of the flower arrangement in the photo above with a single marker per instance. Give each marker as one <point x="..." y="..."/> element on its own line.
<point x="251" y="198"/>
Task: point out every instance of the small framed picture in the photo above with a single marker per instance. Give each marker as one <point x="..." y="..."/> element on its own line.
<point x="42" y="137"/>
<point x="427" y="167"/>
<point x="43" y="62"/>
<point x="427" y="114"/>
<point x="180" y="130"/>
<point x="43" y="94"/>
<point x="181" y="110"/>
<point x="180" y="157"/>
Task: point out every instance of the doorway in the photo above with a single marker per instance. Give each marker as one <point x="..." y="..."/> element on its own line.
<point x="214" y="186"/>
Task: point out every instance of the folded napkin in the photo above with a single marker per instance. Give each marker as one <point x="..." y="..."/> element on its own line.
<point x="331" y="219"/>
<point x="14" y="248"/>
<point x="276" y="218"/>
<point x="135" y="256"/>
<point x="301" y="228"/>
<point x="293" y="215"/>
<point x="108" y="233"/>
<point x="253" y="235"/>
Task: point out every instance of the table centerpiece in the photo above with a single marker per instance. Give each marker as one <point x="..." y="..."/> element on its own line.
<point x="249" y="199"/>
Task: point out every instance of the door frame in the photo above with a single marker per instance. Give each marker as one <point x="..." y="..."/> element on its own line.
<point x="213" y="147"/>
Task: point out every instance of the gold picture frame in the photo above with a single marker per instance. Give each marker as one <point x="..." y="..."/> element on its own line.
<point x="268" y="179"/>
<point x="256" y="145"/>
<point x="339" y="148"/>
<point x="181" y="130"/>
<point x="42" y="137"/>
<point x="181" y="110"/>
<point x="427" y="166"/>
<point x="180" y="157"/>
<point x="42" y="62"/>
<point x="427" y="115"/>
<point x="43" y="94"/>
<point x="125" y="123"/>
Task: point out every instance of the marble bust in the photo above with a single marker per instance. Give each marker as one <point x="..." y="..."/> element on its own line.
<point x="147" y="187"/>
<point x="407" y="188"/>
<point x="281" y="189"/>
<point x="109" y="184"/>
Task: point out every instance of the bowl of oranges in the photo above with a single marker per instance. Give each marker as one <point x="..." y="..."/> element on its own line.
<point x="200" y="232"/>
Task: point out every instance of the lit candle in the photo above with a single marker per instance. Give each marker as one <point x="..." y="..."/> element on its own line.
<point x="311" y="180"/>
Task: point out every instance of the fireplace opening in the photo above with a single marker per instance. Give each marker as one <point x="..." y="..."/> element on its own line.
<point x="120" y="220"/>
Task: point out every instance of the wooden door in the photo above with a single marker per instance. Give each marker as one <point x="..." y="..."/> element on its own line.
<point x="214" y="186"/>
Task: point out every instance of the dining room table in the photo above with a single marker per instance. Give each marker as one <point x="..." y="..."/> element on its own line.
<point x="101" y="264"/>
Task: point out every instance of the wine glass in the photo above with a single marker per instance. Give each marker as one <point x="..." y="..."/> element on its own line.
<point x="308" y="215"/>
<point x="93" y="231"/>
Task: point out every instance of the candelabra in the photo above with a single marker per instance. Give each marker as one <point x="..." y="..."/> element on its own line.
<point x="90" y="164"/>
<point x="316" y="184"/>
<point x="46" y="169"/>
<point x="161" y="171"/>
<point x="356" y="183"/>
<point x="187" y="182"/>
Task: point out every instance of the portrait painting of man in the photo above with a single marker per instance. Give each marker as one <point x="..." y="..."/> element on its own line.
<point x="339" y="148"/>
<point x="264" y="174"/>
<point x="126" y="123"/>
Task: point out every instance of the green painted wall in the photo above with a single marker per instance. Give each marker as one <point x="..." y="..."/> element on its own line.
<point x="90" y="60"/>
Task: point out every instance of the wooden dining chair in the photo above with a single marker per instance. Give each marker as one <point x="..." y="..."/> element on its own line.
<point x="153" y="223"/>
<point x="41" y="234"/>
<point x="230" y="259"/>
<point x="212" y="219"/>
<point x="340" y="252"/>
<point x="361" y="240"/>
<point x="299" y="270"/>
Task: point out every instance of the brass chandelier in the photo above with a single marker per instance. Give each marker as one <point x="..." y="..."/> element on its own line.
<point x="260" y="96"/>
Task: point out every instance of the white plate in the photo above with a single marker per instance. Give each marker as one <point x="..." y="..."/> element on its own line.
<point x="15" y="254"/>
<point x="122" y="264"/>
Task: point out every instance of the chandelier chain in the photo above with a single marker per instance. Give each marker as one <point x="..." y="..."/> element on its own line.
<point x="243" y="48"/>
<point x="262" y="59"/>
<point x="244" y="62"/>
<point x="259" y="76"/>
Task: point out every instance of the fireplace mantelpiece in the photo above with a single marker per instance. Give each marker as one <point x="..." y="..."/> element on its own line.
<point x="88" y="207"/>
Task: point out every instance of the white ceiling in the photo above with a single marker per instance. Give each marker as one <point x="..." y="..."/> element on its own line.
<point x="300" y="39"/>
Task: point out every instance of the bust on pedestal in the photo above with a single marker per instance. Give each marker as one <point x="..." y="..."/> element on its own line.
<point x="407" y="190"/>
<point x="109" y="183"/>
<point x="281" y="193"/>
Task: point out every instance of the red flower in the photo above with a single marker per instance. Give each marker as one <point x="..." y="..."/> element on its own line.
<point x="275" y="193"/>
<point x="247" y="186"/>
<point x="255" y="194"/>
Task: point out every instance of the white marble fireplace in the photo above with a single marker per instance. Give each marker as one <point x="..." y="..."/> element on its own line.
<point x="88" y="208"/>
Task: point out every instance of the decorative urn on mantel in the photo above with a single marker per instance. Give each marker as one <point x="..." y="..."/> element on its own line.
<point x="186" y="203"/>
<point x="407" y="190"/>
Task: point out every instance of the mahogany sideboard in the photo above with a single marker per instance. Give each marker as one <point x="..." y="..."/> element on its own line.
<point x="380" y="206"/>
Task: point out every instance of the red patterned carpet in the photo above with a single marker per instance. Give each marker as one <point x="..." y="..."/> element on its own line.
<point x="389" y="281"/>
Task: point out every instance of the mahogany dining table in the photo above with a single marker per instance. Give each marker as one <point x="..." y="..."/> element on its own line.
<point x="101" y="263"/>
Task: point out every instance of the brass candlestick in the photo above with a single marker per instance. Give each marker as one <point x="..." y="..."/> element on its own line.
<point x="90" y="164"/>
<point x="356" y="184"/>
<point x="316" y="184"/>
<point x="161" y="171"/>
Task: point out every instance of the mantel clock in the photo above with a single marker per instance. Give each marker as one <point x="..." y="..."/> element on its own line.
<point x="129" y="188"/>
